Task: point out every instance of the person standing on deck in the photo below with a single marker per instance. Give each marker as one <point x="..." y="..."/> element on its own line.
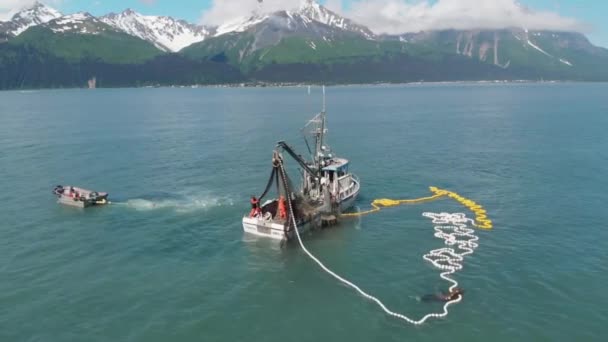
<point x="255" y="207"/>
<point x="282" y="208"/>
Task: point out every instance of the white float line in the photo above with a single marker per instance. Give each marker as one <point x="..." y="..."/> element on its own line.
<point x="445" y="258"/>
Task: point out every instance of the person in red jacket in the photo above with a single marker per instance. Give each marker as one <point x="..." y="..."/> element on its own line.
<point x="255" y="207"/>
<point x="282" y="208"/>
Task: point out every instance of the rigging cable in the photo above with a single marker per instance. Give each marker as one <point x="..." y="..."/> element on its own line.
<point x="269" y="184"/>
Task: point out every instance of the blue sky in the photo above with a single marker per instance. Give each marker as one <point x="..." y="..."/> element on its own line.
<point x="591" y="12"/>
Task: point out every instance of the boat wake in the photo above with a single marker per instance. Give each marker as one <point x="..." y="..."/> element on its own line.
<point x="181" y="204"/>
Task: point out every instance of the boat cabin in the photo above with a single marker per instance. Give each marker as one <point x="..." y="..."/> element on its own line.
<point x="337" y="178"/>
<point x="335" y="167"/>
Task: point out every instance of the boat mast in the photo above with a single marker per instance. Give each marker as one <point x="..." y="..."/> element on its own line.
<point x="321" y="134"/>
<point x="323" y="99"/>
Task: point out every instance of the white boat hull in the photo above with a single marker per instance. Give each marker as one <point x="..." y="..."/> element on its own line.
<point x="348" y="203"/>
<point x="269" y="229"/>
<point x="276" y="230"/>
<point x="78" y="197"/>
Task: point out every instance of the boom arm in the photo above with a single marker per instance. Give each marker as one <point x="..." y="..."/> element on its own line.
<point x="283" y="145"/>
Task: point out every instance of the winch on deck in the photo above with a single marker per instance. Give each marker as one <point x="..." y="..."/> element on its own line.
<point x="271" y="219"/>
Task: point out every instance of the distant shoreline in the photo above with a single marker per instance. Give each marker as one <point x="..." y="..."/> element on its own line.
<point x="295" y="84"/>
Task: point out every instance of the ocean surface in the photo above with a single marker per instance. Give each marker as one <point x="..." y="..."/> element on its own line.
<point x="168" y="260"/>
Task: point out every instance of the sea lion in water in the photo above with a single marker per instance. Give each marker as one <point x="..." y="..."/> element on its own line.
<point x="444" y="297"/>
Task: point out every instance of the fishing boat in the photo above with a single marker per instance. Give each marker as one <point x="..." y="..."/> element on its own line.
<point x="327" y="188"/>
<point x="79" y="197"/>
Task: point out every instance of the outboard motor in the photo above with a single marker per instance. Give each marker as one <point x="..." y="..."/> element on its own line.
<point x="58" y="190"/>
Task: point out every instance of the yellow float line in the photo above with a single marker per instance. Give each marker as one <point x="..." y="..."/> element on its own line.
<point x="481" y="216"/>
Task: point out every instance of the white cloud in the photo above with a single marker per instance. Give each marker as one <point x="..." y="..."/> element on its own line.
<point x="222" y="11"/>
<point x="400" y="16"/>
<point x="9" y="7"/>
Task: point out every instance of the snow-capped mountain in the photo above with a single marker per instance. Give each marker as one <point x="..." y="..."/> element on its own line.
<point x="171" y="35"/>
<point x="270" y="30"/>
<point x="309" y="23"/>
<point x="308" y="13"/>
<point x="165" y="33"/>
<point x="37" y="14"/>
<point x="306" y="33"/>
<point x="315" y="11"/>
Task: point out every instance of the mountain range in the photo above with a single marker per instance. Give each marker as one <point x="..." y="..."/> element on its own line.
<point x="40" y="47"/>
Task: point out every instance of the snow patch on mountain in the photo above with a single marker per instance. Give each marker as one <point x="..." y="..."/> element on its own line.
<point x="319" y="13"/>
<point x="72" y="18"/>
<point x="80" y="23"/>
<point x="165" y="33"/>
<point x="536" y="47"/>
<point x="241" y="24"/>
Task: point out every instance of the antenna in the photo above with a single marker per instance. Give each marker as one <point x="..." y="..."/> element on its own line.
<point x="323" y="98"/>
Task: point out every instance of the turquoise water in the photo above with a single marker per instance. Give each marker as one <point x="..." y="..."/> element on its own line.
<point x="169" y="261"/>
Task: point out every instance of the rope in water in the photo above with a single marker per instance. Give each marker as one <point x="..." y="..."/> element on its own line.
<point x="447" y="259"/>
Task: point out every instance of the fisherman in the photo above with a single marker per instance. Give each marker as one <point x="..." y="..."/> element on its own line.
<point x="444" y="297"/>
<point x="282" y="208"/>
<point x="255" y="207"/>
